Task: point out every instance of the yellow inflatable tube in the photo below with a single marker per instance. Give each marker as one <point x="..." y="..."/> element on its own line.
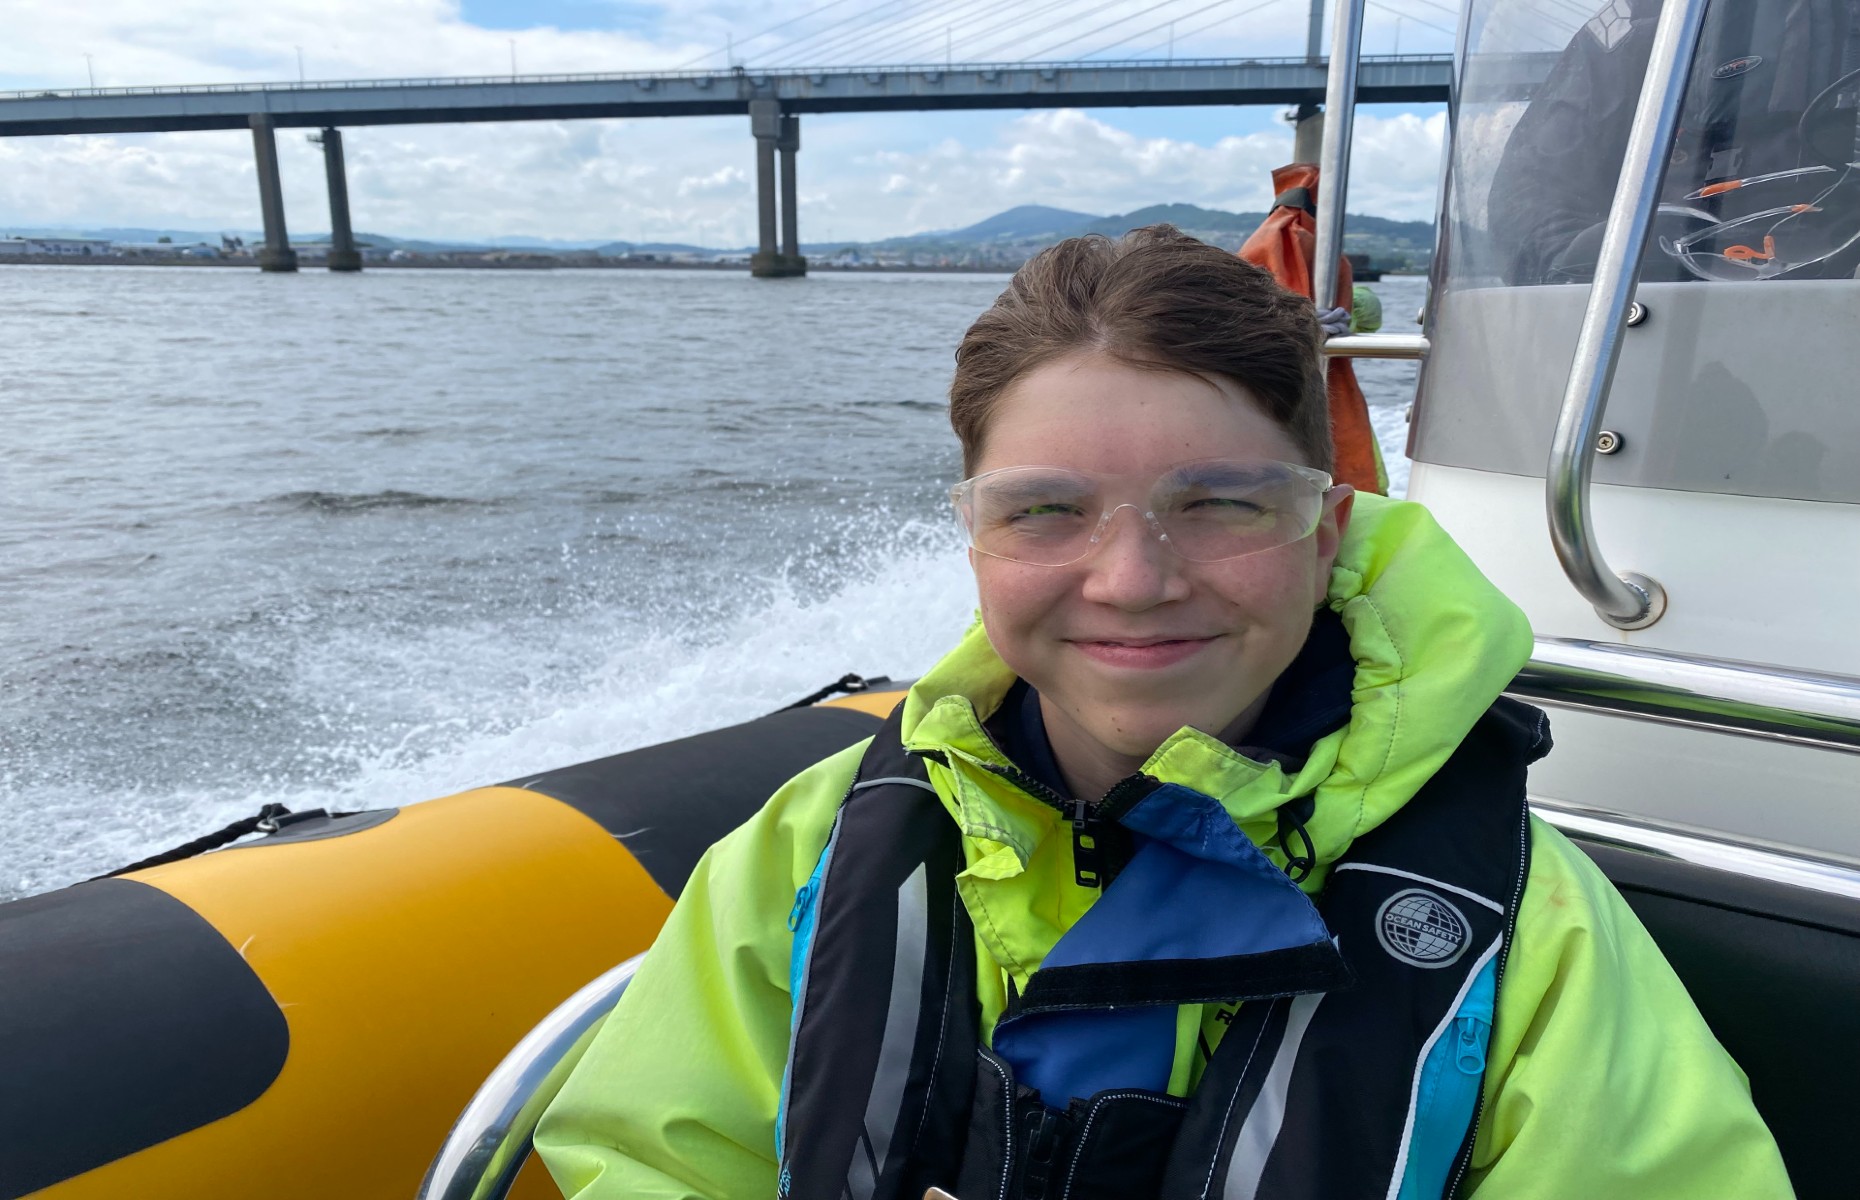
<point x="303" y="1016"/>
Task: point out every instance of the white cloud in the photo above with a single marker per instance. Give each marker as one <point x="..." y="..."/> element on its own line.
<point x="671" y="179"/>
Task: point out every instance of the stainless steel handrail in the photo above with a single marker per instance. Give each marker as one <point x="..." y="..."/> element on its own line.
<point x="1346" y="43"/>
<point x="1377" y="345"/>
<point x="1628" y="601"/>
<point x="1753" y="700"/>
<point x="491" y="1138"/>
<point x="1784" y="865"/>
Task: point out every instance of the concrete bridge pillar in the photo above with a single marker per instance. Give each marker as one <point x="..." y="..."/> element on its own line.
<point x="767" y="123"/>
<point x="1308" y="134"/>
<point x="789" y="143"/>
<point x="343" y="256"/>
<point x="276" y="254"/>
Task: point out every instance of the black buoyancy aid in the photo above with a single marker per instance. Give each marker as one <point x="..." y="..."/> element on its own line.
<point x="1329" y="1082"/>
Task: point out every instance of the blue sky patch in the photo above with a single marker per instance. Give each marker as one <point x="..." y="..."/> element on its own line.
<point x="626" y="16"/>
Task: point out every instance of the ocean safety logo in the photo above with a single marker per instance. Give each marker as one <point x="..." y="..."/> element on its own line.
<point x="1422" y="928"/>
<point x="1738" y="66"/>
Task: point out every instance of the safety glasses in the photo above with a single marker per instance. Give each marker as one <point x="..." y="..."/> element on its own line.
<point x="1206" y="511"/>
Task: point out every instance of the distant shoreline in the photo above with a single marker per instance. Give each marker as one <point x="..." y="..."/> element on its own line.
<point x="527" y="264"/>
<point x="524" y="264"/>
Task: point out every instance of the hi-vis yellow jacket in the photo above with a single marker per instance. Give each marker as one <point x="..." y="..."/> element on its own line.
<point x="1602" y="1079"/>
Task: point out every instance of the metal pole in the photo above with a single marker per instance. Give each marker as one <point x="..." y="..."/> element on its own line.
<point x="492" y="1137"/>
<point x="343" y="255"/>
<point x="1314" y="32"/>
<point x="1625" y="602"/>
<point x="277" y="254"/>
<point x="1346" y="41"/>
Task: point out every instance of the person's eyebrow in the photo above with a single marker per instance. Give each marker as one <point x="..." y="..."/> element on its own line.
<point x="1044" y="486"/>
<point x="1221" y="474"/>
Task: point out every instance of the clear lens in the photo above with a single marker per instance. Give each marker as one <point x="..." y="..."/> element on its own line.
<point x="1775" y="241"/>
<point x="1204" y="511"/>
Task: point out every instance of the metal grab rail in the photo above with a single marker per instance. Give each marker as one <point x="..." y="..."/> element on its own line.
<point x="492" y="1137"/>
<point x="1793" y="868"/>
<point x="1627" y="601"/>
<point x="1776" y="704"/>
<point x="1377" y="345"/>
<point x="1346" y="43"/>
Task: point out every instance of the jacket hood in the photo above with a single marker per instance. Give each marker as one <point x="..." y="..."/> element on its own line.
<point x="1434" y="643"/>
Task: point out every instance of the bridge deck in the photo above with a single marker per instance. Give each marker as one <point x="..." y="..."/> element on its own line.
<point x="1405" y="78"/>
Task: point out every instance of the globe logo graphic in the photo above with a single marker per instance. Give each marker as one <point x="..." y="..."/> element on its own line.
<point x="1420" y="927"/>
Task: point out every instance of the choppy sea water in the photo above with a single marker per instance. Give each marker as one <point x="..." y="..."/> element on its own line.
<point x="352" y="541"/>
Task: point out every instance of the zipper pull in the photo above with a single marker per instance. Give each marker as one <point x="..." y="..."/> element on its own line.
<point x="1087" y="866"/>
<point x="1470" y="1057"/>
<point x="1046" y="1134"/>
<point x="802" y="899"/>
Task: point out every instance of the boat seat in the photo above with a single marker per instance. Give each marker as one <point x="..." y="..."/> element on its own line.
<point x="1774" y="968"/>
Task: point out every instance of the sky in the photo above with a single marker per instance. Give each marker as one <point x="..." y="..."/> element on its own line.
<point x="861" y="176"/>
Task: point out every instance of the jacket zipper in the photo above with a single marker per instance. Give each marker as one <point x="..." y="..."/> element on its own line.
<point x="1047" y="1132"/>
<point x="1087" y="820"/>
<point x="1498" y="981"/>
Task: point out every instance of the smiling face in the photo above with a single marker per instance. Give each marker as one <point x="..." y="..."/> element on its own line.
<point x="1135" y="642"/>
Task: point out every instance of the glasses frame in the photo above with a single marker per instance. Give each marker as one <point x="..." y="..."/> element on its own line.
<point x="962" y="494"/>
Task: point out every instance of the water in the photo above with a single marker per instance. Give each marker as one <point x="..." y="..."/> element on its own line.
<point x="354" y="541"/>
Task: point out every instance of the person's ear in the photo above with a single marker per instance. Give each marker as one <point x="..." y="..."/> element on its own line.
<point x="1333" y="523"/>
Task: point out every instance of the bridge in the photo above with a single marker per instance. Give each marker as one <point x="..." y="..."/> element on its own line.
<point x="774" y="101"/>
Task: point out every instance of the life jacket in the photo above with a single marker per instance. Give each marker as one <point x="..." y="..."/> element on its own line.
<point x="1285" y="243"/>
<point x="1351" y="1068"/>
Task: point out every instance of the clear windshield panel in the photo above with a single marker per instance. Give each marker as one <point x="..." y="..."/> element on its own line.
<point x="1761" y="183"/>
<point x="1740" y="379"/>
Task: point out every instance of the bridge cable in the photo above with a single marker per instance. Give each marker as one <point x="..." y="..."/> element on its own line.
<point x="786" y="52"/>
<point x="1017" y="18"/>
<point x="1124" y="20"/>
<point x="839" y="45"/>
<point x="977" y="23"/>
<point x="1407" y="16"/>
<point x="1071" y="20"/>
<point x="883" y="47"/>
<point x="1220" y="20"/>
<point x="1205" y="8"/>
<point x="806" y="48"/>
<point x="764" y="33"/>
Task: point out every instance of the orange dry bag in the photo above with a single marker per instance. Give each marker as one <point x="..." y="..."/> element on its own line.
<point x="1285" y="243"/>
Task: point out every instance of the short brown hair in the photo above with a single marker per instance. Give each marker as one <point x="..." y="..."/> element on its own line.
<point x="1154" y="298"/>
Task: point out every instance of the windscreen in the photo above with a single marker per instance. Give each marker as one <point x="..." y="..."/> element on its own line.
<point x="1761" y="183"/>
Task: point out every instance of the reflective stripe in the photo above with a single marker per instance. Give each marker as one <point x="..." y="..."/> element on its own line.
<point x="872" y="783"/>
<point x="900" y="1038"/>
<point x="1261" y="1128"/>
<point x="1475" y="897"/>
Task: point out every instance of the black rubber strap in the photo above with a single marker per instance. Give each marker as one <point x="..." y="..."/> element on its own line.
<point x="267" y="820"/>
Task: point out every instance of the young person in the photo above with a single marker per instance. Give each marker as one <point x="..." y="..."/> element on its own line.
<point x="1199" y="867"/>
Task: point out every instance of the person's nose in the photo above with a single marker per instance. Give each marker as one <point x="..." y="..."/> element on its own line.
<point x="1131" y="568"/>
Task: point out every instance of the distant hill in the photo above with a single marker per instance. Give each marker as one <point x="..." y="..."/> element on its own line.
<point x="1004" y="240"/>
<point x="622" y="249"/>
<point x="1022" y="221"/>
<point x="1009" y="238"/>
<point x="1188" y="218"/>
